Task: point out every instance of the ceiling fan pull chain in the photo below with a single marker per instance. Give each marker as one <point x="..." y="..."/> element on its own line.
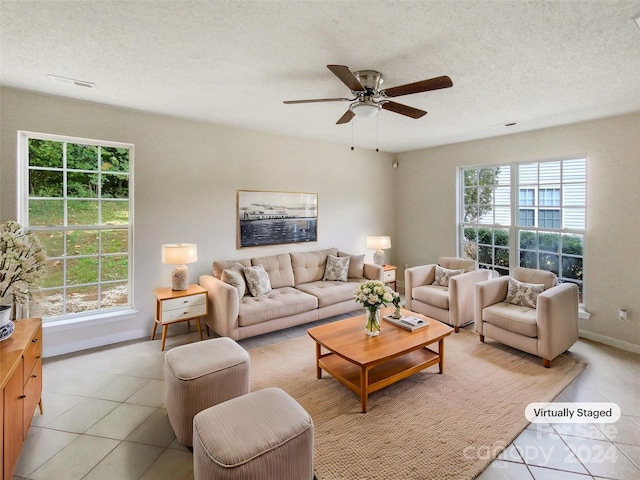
<point x="377" y="132"/>
<point x="352" y="134"/>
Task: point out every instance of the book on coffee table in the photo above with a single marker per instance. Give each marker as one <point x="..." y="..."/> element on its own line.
<point x="410" y="323"/>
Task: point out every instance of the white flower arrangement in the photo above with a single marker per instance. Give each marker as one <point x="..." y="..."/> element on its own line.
<point x="22" y="261"/>
<point x="374" y="294"/>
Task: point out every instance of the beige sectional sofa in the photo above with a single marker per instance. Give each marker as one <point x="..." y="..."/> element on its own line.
<point x="298" y="292"/>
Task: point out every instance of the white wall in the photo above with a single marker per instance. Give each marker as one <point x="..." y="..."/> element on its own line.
<point x="186" y="177"/>
<point x="426" y="215"/>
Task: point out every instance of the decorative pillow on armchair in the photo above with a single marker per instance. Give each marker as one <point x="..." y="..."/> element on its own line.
<point x="524" y="294"/>
<point x="444" y="274"/>
<point x="337" y="269"/>
<point x="257" y="280"/>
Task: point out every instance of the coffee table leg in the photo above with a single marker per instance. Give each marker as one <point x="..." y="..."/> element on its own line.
<point x="318" y="369"/>
<point x="364" y="388"/>
<point x="441" y="354"/>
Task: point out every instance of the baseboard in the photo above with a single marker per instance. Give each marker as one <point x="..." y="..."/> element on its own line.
<point x="612" y="342"/>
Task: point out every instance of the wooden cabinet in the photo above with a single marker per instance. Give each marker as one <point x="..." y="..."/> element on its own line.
<point x="21" y="381"/>
<point x="173" y="306"/>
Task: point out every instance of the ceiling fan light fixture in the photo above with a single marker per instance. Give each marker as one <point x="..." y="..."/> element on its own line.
<point x="364" y="109"/>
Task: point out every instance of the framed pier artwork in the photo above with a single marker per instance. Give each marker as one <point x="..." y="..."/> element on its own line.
<point x="274" y="218"/>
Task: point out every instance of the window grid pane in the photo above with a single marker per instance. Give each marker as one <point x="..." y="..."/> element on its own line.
<point x="77" y="204"/>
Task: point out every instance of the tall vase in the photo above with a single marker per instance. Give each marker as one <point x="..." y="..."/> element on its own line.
<point x="6" y="325"/>
<point x="373" y="321"/>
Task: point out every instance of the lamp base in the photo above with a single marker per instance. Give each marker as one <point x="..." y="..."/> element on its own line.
<point x="180" y="278"/>
<point x="378" y="257"/>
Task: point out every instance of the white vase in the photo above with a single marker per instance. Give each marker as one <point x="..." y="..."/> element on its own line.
<point x="6" y="325"/>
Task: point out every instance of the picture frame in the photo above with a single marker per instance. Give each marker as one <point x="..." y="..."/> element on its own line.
<point x="275" y="218"/>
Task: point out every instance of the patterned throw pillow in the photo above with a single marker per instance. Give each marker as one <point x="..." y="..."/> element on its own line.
<point x="524" y="294"/>
<point x="235" y="277"/>
<point x="257" y="280"/>
<point x="337" y="269"/>
<point x="444" y="274"/>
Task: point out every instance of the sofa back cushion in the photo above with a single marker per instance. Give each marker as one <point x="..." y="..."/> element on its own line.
<point x="310" y="266"/>
<point x="220" y="265"/>
<point x="278" y="267"/>
<point x="532" y="275"/>
<point x="356" y="265"/>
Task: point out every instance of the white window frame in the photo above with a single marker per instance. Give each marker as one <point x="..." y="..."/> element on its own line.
<point x="515" y="228"/>
<point x="100" y="314"/>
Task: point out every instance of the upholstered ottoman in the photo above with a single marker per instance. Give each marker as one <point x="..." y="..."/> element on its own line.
<point x="265" y="434"/>
<point x="200" y="375"/>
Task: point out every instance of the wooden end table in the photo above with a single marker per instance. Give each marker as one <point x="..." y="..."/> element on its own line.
<point x="175" y="306"/>
<point x="366" y="364"/>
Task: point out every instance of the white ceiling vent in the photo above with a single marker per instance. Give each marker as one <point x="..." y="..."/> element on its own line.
<point x="71" y="81"/>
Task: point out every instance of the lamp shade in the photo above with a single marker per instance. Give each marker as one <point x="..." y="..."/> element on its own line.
<point x="379" y="243"/>
<point x="179" y="253"/>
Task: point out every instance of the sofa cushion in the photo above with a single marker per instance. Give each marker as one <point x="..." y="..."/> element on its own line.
<point x="235" y="277"/>
<point x="278" y="267"/>
<point x="513" y="318"/>
<point x="337" y="269"/>
<point x="220" y="265"/>
<point x="432" y="295"/>
<point x="257" y="280"/>
<point x="330" y="293"/>
<point x="525" y="294"/>
<point x="356" y="264"/>
<point x="278" y="303"/>
<point x="444" y="274"/>
<point x="310" y="266"/>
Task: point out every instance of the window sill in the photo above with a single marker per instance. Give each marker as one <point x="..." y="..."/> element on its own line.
<point x="72" y="323"/>
<point x="584" y="315"/>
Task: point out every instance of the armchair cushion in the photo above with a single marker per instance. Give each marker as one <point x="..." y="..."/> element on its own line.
<point x="444" y="274"/>
<point x="513" y="318"/>
<point x="525" y="294"/>
<point x="432" y="295"/>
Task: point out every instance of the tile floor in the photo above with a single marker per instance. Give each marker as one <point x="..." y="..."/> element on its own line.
<point x="104" y="419"/>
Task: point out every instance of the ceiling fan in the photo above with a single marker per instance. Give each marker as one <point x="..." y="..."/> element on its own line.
<point x="369" y="99"/>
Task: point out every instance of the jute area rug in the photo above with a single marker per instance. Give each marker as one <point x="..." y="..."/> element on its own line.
<point x="427" y="426"/>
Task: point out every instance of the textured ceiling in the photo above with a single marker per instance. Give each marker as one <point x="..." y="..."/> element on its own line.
<point x="539" y="63"/>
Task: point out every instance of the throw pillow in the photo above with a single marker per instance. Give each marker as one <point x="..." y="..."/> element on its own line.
<point x="524" y="294"/>
<point x="337" y="269"/>
<point x="356" y="265"/>
<point x="257" y="280"/>
<point x="444" y="274"/>
<point x="235" y="278"/>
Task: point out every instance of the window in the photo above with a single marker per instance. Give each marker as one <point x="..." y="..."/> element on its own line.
<point x="550" y="229"/>
<point x="76" y="198"/>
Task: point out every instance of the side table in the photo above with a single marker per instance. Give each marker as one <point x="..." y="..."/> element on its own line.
<point x="389" y="275"/>
<point x="174" y="306"/>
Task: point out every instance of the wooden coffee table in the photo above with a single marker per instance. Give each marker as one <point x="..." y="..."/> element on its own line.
<point x="366" y="364"/>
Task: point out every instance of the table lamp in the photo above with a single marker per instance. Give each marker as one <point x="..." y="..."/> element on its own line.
<point x="378" y="244"/>
<point x="179" y="254"/>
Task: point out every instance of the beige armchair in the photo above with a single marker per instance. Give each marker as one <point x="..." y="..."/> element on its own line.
<point x="546" y="331"/>
<point x="453" y="304"/>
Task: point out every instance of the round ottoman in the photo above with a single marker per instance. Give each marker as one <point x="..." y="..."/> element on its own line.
<point x="265" y="434"/>
<point x="200" y="375"/>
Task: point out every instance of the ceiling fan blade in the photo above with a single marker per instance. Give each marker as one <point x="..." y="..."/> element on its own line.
<point x="346" y="77"/>
<point x="418" y="87"/>
<point x="317" y="100"/>
<point x="403" y="109"/>
<point x="346" y="118"/>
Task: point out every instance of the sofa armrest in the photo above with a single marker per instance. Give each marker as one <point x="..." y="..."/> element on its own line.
<point x="557" y="320"/>
<point x="461" y="295"/>
<point x="373" y="272"/>
<point x="224" y="306"/>
<point x="488" y="293"/>
<point x="415" y="277"/>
